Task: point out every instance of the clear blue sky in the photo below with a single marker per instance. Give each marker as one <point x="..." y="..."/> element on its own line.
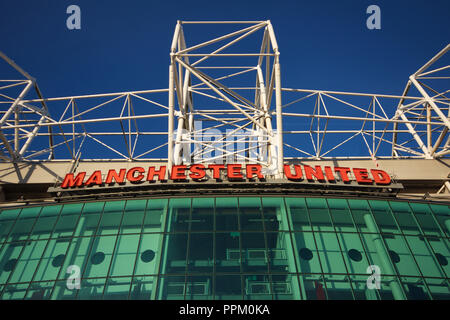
<point x="124" y="45"/>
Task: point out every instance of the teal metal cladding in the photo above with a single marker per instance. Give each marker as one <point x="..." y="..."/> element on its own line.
<point x="226" y="248"/>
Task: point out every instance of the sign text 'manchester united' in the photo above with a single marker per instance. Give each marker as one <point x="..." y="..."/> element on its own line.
<point x="232" y="172"/>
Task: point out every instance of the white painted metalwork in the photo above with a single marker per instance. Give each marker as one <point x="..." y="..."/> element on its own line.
<point x="225" y="104"/>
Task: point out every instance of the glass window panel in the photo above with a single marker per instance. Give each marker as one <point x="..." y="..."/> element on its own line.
<point x="40" y="291"/>
<point x="257" y="287"/>
<point x="124" y="255"/>
<point x="313" y="287"/>
<point x="28" y="261"/>
<point x="199" y="287"/>
<point x="374" y="255"/>
<point x="15" y="291"/>
<point x="254" y="252"/>
<point x="285" y="287"/>
<point x="91" y="289"/>
<point x="24" y="223"/>
<point x="46" y="222"/>
<point x="180" y="214"/>
<point x="442" y="214"/>
<point x="274" y="213"/>
<point x="172" y="287"/>
<point x="280" y="252"/>
<point x="89" y="220"/>
<point x="111" y="218"/>
<point x="227" y="214"/>
<point x="67" y="221"/>
<point x="7" y="219"/>
<point x="354" y="254"/>
<point x="147" y="258"/>
<point x="77" y="254"/>
<point x="307" y="252"/>
<point x="338" y="288"/>
<point x="52" y="260"/>
<point x="117" y="288"/>
<point x="441" y="250"/>
<point x="440" y="289"/>
<point x="341" y="215"/>
<point x="202" y="214"/>
<point x="319" y="215"/>
<point x="251" y="218"/>
<point x="359" y="208"/>
<point x="227" y="252"/>
<point x="383" y="216"/>
<point x="201" y="252"/>
<point x="175" y="253"/>
<point x="424" y="216"/>
<point x="61" y="292"/>
<point x="8" y="259"/>
<point x="361" y="290"/>
<point x="73" y="208"/>
<point x="228" y="287"/>
<point x="133" y="216"/>
<point x="298" y="213"/>
<point x="100" y="257"/>
<point x="400" y="255"/>
<point x="415" y="288"/>
<point x="156" y="211"/>
<point x="329" y="252"/>
<point x="404" y="217"/>
<point x="427" y="262"/>
<point x="142" y="288"/>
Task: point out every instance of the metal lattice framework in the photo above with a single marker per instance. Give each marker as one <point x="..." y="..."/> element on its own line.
<point x="225" y="105"/>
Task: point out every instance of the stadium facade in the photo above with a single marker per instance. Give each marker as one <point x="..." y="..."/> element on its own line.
<point x="246" y="204"/>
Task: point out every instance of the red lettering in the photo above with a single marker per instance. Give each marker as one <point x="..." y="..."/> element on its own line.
<point x="253" y="169"/>
<point x="343" y="172"/>
<point x="70" y="182"/>
<point x="380" y="176"/>
<point x="161" y="173"/>
<point x="298" y="172"/>
<point x="95" y="178"/>
<point x="112" y="174"/>
<point x="234" y="171"/>
<point x="309" y="172"/>
<point x="198" y="171"/>
<point x="216" y="170"/>
<point x="329" y="174"/>
<point x="139" y="177"/>
<point x="361" y="175"/>
<point x="178" y="173"/>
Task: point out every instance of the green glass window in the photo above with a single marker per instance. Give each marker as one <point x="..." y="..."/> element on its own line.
<point x="200" y="261"/>
<point x="46" y="222"/>
<point x="133" y="216"/>
<point x="67" y="221"/>
<point x="28" y="261"/>
<point x="111" y="218"/>
<point x="100" y="257"/>
<point x="274" y="213"/>
<point x="319" y="214"/>
<point x="180" y="214"/>
<point x="7" y="220"/>
<point x="251" y="217"/>
<point x="147" y="257"/>
<point x="124" y="255"/>
<point x="155" y="214"/>
<point x="24" y="223"/>
<point x="227" y="214"/>
<point x="296" y="208"/>
<point x="202" y="214"/>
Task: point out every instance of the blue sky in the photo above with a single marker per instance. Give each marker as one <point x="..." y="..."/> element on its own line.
<point x="124" y="45"/>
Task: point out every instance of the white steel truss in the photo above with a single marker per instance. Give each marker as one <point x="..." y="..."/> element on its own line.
<point x="224" y="104"/>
